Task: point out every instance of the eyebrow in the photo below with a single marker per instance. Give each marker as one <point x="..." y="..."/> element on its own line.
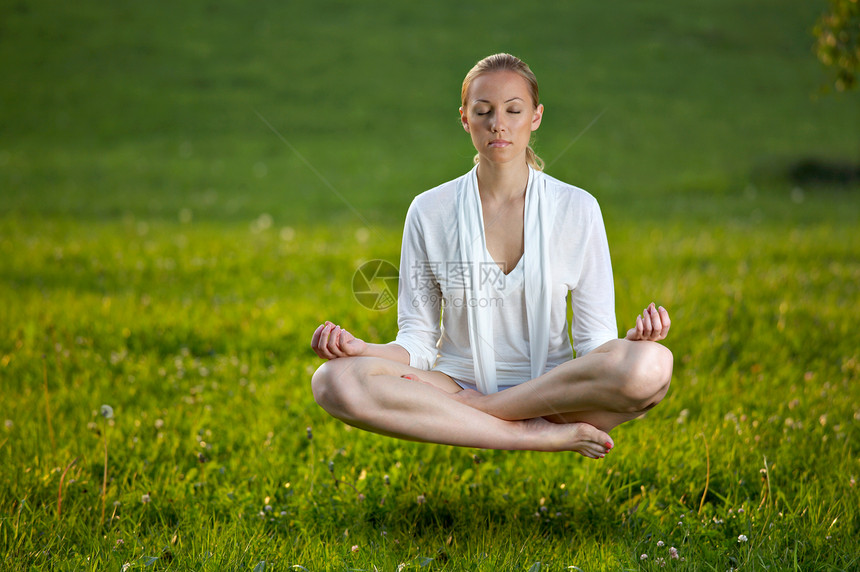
<point x="487" y="101"/>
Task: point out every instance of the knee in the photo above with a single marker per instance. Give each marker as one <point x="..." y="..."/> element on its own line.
<point x="646" y="374"/>
<point x="334" y="386"/>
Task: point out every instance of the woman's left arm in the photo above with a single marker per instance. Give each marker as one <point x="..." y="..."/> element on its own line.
<point x="593" y="298"/>
<point x="594" y="303"/>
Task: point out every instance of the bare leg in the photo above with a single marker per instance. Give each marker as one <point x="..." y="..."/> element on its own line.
<point x="371" y="393"/>
<point x="615" y="383"/>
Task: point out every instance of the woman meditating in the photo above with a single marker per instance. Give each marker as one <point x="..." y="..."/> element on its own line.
<point x="483" y="357"/>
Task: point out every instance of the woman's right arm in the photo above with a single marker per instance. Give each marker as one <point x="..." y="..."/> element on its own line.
<point x="419" y="295"/>
<point x="419" y="307"/>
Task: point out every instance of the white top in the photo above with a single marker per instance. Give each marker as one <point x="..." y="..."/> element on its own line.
<point x="433" y="294"/>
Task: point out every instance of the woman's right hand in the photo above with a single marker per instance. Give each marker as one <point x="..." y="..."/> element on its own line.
<point x="330" y="341"/>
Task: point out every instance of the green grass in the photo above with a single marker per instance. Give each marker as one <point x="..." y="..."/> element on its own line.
<point x="163" y="251"/>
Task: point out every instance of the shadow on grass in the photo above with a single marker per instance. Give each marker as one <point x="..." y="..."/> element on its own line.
<point x="462" y="517"/>
<point x="809" y="172"/>
<point x="813" y="172"/>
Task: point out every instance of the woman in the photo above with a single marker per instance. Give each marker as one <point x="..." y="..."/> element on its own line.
<point x="482" y="357"/>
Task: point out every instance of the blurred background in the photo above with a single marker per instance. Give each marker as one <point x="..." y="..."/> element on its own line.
<point x="187" y="189"/>
<point x="320" y="111"/>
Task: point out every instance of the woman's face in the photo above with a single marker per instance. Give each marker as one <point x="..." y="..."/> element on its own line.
<point x="500" y="116"/>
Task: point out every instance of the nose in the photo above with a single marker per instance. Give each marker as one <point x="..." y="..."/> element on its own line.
<point x="496" y="124"/>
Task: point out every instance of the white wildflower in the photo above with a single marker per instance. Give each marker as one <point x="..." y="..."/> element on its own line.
<point x="107" y="411"/>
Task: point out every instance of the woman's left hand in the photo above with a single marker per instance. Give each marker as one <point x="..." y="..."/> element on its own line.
<point x="652" y="325"/>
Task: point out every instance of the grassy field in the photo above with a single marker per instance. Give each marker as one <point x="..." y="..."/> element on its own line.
<point x="188" y="189"/>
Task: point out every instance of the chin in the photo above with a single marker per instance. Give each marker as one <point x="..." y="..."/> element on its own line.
<point x="501" y="158"/>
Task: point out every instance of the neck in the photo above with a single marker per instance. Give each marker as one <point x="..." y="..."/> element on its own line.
<point x="502" y="182"/>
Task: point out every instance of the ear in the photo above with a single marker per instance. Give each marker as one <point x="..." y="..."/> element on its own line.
<point x="464" y="120"/>
<point x="537" y="117"/>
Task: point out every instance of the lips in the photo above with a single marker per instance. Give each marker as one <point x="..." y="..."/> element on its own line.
<point x="499" y="143"/>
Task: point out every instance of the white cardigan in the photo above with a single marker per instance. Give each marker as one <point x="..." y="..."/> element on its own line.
<point x="434" y="280"/>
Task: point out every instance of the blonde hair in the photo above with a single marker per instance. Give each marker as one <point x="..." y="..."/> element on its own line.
<point x="505" y="62"/>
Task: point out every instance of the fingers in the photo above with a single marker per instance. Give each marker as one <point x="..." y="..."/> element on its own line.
<point x="326" y="341"/>
<point x="664" y="319"/>
<point x="647" y="323"/>
<point x="319" y="341"/>
<point x="656" y="323"/>
<point x="333" y="345"/>
<point x="652" y="325"/>
<point x="315" y="339"/>
<point x="635" y="333"/>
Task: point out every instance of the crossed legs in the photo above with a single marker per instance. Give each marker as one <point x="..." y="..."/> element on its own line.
<point x="568" y="409"/>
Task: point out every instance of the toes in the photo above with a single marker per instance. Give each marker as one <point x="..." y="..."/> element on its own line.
<point x="594" y="442"/>
<point x="591" y="451"/>
<point x="596" y="436"/>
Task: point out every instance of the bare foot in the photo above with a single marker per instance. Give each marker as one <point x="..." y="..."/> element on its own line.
<point x="583" y="438"/>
